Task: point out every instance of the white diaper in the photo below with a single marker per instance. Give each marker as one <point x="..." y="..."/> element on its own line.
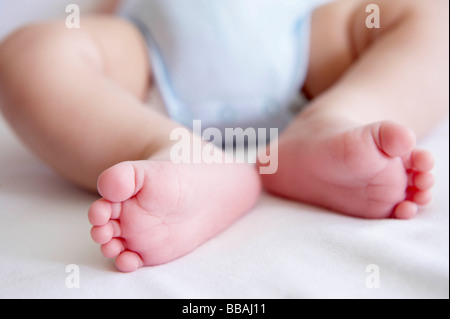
<point x="228" y="63"/>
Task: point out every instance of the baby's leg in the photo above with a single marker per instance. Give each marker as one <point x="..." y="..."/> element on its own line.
<point x="75" y="98"/>
<point x="353" y="150"/>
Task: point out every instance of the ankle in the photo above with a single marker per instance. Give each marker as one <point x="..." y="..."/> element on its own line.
<point x="316" y="119"/>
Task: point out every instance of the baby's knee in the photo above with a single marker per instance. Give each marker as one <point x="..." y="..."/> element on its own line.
<point x="34" y="54"/>
<point x="24" y="44"/>
<point x="48" y="43"/>
<point x="26" y="50"/>
<point x="21" y="56"/>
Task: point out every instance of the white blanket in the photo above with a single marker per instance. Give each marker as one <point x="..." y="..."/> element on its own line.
<point x="281" y="249"/>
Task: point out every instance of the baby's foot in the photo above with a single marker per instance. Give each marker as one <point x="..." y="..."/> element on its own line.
<point x="154" y="212"/>
<point x="372" y="171"/>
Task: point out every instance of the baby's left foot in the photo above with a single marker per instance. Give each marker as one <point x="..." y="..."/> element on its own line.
<point x="153" y="212"/>
<point x="372" y="171"/>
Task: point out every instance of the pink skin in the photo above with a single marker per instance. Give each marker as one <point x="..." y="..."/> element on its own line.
<point x="151" y="212"/>
<point x="341" y="155"/>
<point x="372" y="171"/>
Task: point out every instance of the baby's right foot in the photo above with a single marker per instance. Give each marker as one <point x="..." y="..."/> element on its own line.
<point x="154" y="212"/>
<point x="370" y="171"/>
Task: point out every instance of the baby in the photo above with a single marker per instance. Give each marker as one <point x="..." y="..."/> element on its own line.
<point x="76" y="97"/>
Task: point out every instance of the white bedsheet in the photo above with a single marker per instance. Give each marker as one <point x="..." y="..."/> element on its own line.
<point x="281" y="249"/>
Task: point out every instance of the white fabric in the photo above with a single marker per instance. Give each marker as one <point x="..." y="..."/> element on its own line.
<point x="281" y="249"/>
<point x="255" y="50"/>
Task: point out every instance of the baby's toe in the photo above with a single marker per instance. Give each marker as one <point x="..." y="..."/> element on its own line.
<point x="423" y="181"/>
<point x="422" y="161"/>
<point x="405" y="210"/>
<point x="118" y="183"/>
<point x="129" y="261"/>
<point x="113" y="248"/>
<point x="393" y="139"/>
<point x="104" y="234"/>
<point x="422" y="198"/>
<point x="100" y="212"/>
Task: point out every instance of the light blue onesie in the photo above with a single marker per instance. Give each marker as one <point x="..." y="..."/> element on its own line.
<point x="228" y="63"/>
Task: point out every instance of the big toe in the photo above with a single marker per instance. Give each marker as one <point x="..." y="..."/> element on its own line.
<point x="118" y="183"/>
<point x="393" y="139"/>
